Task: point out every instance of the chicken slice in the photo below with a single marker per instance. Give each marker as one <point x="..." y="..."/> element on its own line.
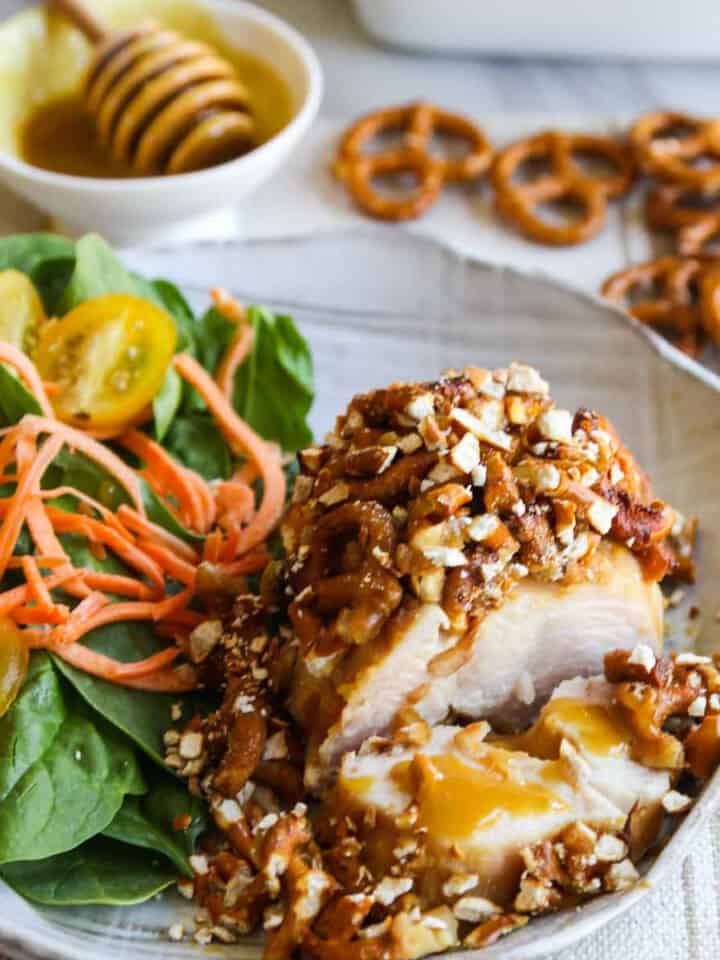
<point x="473" y="803"/>
<point x="542" y="634"/>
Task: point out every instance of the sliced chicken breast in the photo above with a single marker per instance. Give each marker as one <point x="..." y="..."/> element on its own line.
<point x="543" y="633"/>
<point x="473" y="802"/>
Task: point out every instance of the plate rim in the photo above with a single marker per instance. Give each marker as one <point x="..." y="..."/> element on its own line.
<point x="41" y="943"/>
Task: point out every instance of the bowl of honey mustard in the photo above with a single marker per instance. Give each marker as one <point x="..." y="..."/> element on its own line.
<point x="52" y="152"/>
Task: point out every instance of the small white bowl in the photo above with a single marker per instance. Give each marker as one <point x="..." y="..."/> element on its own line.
<point x="147" y="209"/>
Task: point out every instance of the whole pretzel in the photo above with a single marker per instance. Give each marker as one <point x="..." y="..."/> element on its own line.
<point x="419" y="121"/>
<point x="672" y="157"/>
<point x="566" y="180"/>
<point x="668" y="208"/>
<point x="671" y="306"/>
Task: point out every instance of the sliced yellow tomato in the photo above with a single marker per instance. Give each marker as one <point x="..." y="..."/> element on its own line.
<point x="14" y="658"/>
<point x="21" y="310"/>
<point x="107" y="359"/>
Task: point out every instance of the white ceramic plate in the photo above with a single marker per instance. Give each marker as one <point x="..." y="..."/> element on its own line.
<point x="380" y="305"/>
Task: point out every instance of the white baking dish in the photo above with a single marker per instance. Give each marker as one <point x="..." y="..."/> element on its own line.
<point x="680" y="29"/>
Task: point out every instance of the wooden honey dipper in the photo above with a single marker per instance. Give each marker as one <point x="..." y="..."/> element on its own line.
<point x="162" y="104"/>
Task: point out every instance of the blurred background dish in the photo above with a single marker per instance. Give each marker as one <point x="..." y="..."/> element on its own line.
<point x="556" y="28"/>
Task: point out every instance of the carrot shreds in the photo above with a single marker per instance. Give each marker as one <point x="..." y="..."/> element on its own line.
<point x="97" y="532"/>
<point x="206" y="496"/>
<point x="93" y="450"/>
<point x="246" y="473"/>
<point x="173" y="565"/>
<point x="212" y="547"/>
<point x="44" y="562"/>
<point x="98" y="665"/>
<point x="244" y="441"/>
<point x="118" y="584"/>
<point x="169" y="476"/>
<point x="17" y="596"/>
<point x="152" y="531"/>
<point x="98" y="612"/>
<point x="24" y="491"/>
<point x="28" y="374"/>
<point x="35" y="615"/>
<point x="181" y="679"/>
<point x="238" y="349"/>
<point x="226" y="304"/>
<point x="235" y="502"/>
<point x="38" y="587"/>
<point x="107" y="515"/>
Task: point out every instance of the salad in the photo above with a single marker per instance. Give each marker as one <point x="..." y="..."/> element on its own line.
<point x="142" y="472"/>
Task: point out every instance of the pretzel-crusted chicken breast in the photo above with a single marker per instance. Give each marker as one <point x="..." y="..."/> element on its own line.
<point x="461" y="547"/>
<point x="446" y="711"/>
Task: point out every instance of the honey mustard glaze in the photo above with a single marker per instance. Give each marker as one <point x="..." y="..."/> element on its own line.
<point x="60" y="135"/>
<point x="598" y="728"/>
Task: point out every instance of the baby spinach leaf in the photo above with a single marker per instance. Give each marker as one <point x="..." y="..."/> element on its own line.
<point x="46" y="258"/>
<point x="159" y="513"/>
<point x="72" y="791"/>
<point x="31" y="724"/>
<point x="177" y="306"/>
<point x="101" y="871"/>
<point x="212" y="335"/>
<point x="167" y="403"/>
<point x="144" y="717"/>
<point x="196" y="442"/>
<point x="148" y="821"/>
<point x="15" y="399"/>
<point x="97" y="272"/>
<point x="274" y="386"/>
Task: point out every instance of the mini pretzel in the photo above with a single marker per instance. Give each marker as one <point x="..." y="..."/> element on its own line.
<point x="668" y="207"/>
<point x="566" y="180"/>
<point x="672" y="303"/>
<point x="661" y="151"/>
<point x="418" y="122"/>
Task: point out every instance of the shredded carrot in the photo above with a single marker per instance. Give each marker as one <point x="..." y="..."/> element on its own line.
<point x="212" y="548"/>
<point x="240" y="346"/>
<point x="243" y="440"/>
<point x="97" y="532"/>
<point x="235" y="503"/>
<point x="28" y="374"/>
<point x="38" y="588"/>
<point x="97" y="664"/>
<point x="107" y="515"/>
<point x="102" y="456"/>
<point x="206" y="496"/>
<point x="35" y="615"/>
<point x="168" y="475"/>
<point x="251" y="563"/>
<point x="181" y="679"/>
<point x="152" y="531"/>
<point x="24" y="491"/>
<point x="17" y="596"/>
<point x="173" y="565"/>
<point x="118" y="584"/>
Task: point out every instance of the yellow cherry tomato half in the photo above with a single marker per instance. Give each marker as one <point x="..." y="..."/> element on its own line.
<point x="107" y="359"/>
<point x="14" y="659"/>
<point x="21" y="310"/>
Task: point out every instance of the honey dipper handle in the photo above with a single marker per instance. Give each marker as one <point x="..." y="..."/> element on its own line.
<point x="76" y="11"/>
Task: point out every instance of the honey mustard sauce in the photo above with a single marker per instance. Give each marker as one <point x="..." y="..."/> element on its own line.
<point x="60" y="135"/>
<point x="599" y="728"/>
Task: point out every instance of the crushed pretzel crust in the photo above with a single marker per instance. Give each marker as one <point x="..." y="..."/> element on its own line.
<point x="452" y="492"/>
<point x="309" y="883"/>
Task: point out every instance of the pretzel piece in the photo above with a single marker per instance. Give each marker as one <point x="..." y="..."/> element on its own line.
<point x="693" y="215"/>
<point x="566" y="180"/>
<point x="678" y="148"/>
<point x="418" y="122"/>
<point x="671" y="304"/>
